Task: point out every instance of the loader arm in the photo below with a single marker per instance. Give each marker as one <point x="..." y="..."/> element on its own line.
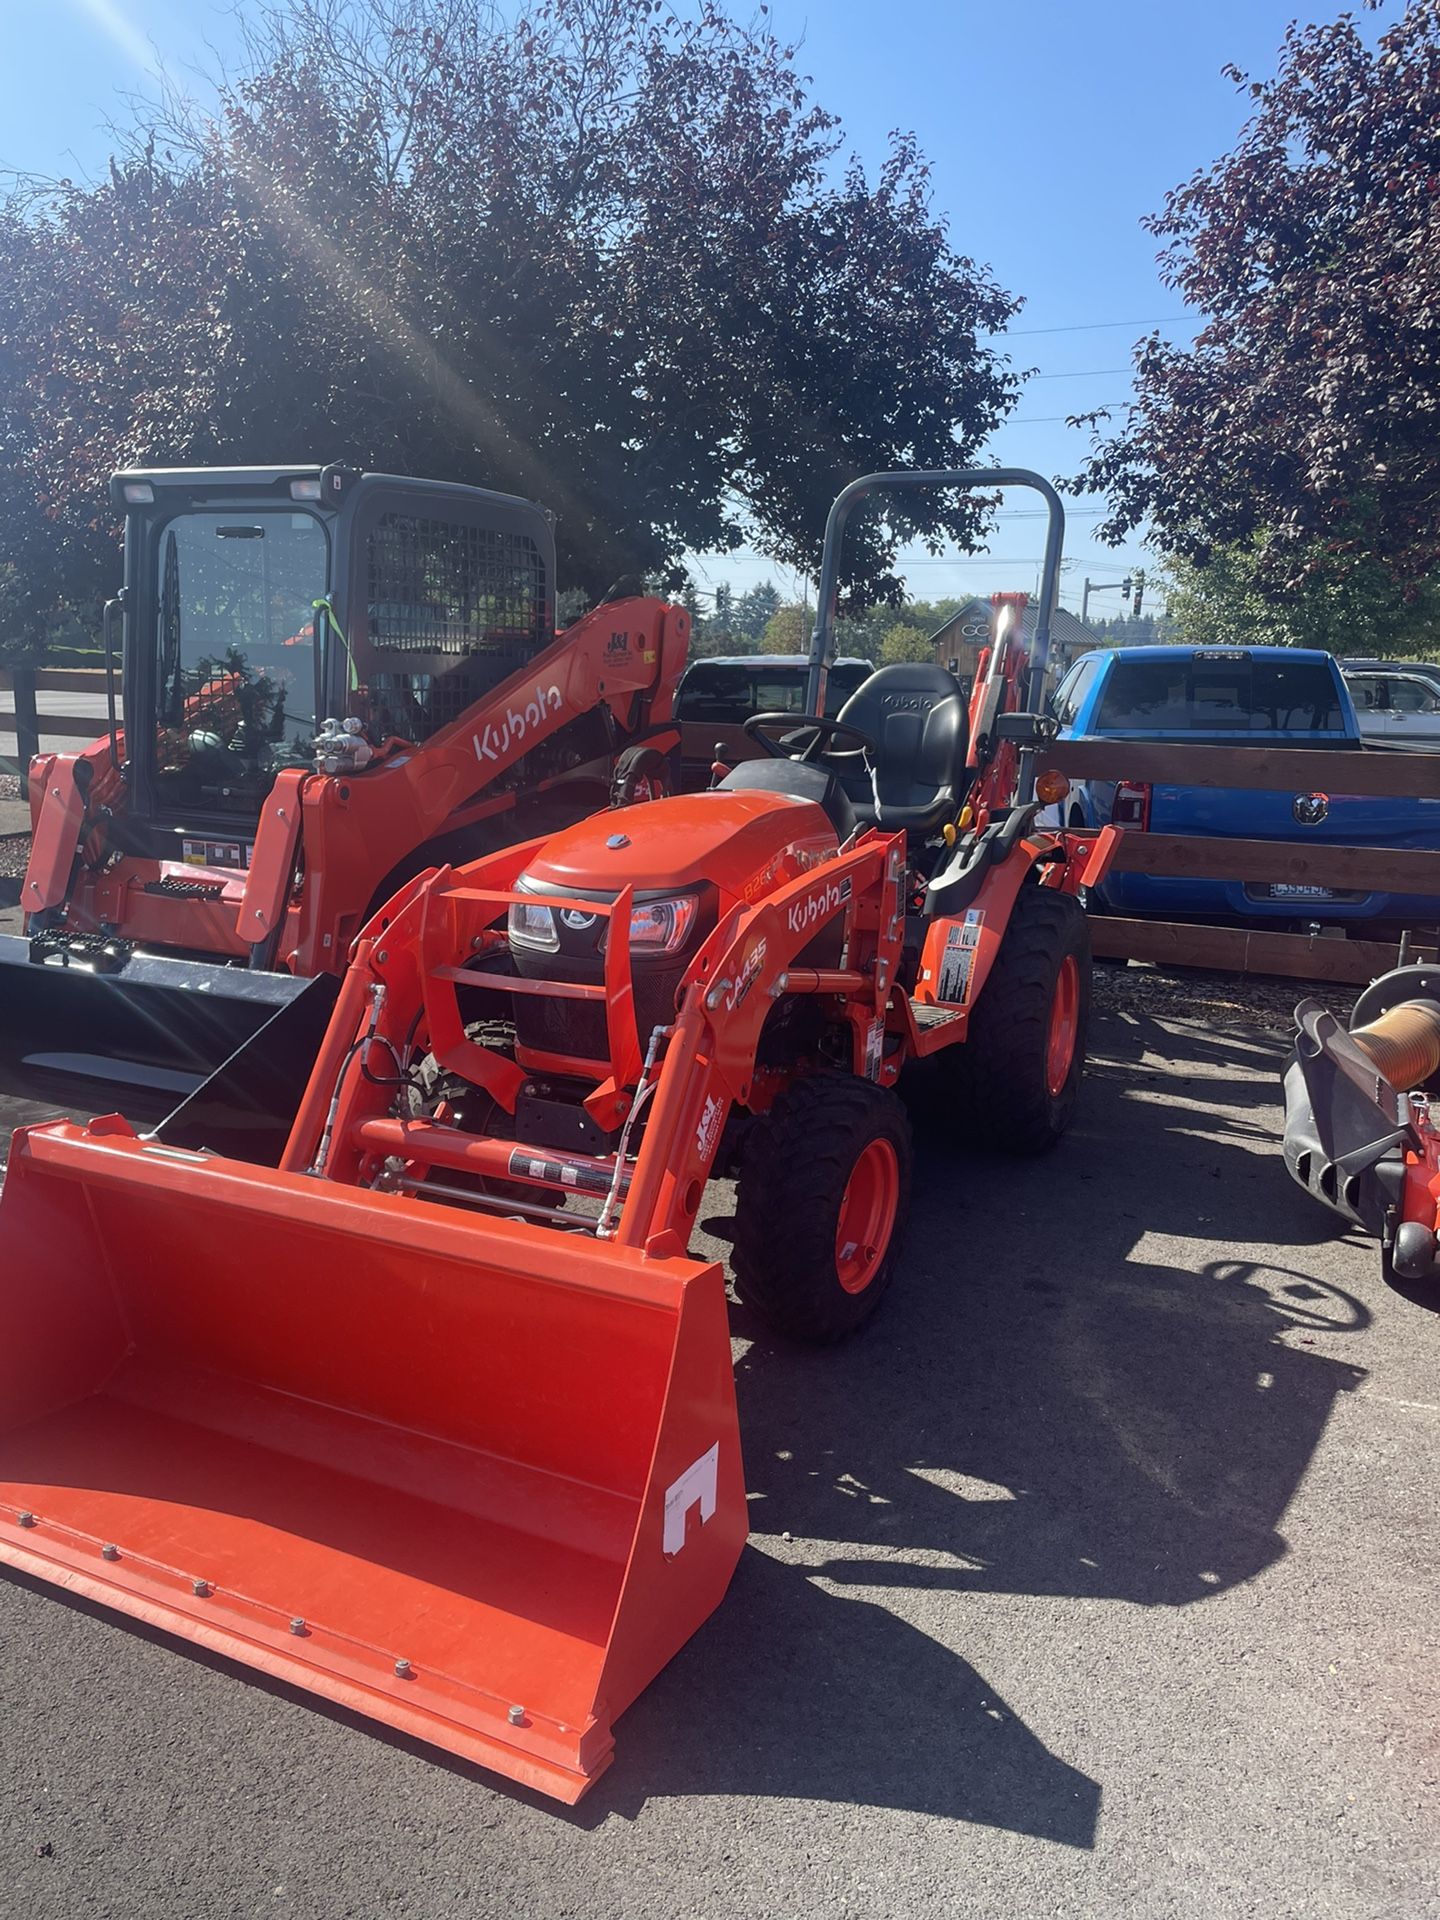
<point x="355" y="829"/>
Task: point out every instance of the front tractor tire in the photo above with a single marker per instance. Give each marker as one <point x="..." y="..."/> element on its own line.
<point x="821" y="1203"/>
<point x="1017" y="1075"/>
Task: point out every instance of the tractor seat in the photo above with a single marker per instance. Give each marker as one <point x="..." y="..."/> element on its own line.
<point x="916" y="716"/>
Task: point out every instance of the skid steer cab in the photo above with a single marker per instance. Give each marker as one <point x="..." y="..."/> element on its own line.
<point x="443" y="1425"/>
<point x="332" y="680"/>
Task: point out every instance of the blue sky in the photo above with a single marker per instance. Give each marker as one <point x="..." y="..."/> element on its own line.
<point x="1052" y="129"/>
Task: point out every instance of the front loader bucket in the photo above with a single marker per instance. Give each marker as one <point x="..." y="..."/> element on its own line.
<point x="475" y="1478"/>
<point x="146" y="1035"/>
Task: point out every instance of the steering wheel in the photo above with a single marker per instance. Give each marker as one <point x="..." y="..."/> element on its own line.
<point x="821" y="732"/>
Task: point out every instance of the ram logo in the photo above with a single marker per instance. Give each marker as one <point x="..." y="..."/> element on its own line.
<point x="1310" y="809"/>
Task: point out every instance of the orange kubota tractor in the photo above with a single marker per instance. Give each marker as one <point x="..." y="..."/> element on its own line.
<point x="437" y="1418"/>
<point x="332" y="680"/>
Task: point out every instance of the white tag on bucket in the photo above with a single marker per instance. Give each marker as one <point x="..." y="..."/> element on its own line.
<point x="695" y="1486"/>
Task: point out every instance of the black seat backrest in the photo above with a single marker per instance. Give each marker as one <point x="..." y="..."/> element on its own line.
<point x="916" y="716"/>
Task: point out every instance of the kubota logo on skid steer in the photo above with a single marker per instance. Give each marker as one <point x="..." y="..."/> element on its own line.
<point x="496" y="741"/>
<point x="818" y="906"/>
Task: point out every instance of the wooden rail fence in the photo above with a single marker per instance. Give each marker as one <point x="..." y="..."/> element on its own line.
<point x="1371" y="773"/>
<point x="27" y="723"/>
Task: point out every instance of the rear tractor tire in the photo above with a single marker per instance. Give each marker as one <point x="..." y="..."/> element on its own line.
<point x="1016" y="1076"/>
<point x="821" y="1204"/>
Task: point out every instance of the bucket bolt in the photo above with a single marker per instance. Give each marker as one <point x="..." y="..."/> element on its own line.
<point x="404" y="1670"/>
<point x="516" y="1716"/>
<point x="201" y="1589"/>
<point x="109" y="1552"/>
<point x="298" y="1626"/>
<point x="26" y="1519"/>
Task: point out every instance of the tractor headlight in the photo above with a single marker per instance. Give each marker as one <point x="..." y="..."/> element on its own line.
<point x="660" y="926"/>
<point x="532" y="925"/>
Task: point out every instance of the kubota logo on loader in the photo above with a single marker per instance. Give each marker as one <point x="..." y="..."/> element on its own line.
<point x="818" y="906"/>
<point x="496" y="741"/>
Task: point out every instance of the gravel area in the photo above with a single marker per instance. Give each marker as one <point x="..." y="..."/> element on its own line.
<point x="1212" y="999"/>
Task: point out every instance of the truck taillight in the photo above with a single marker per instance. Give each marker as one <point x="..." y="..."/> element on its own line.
<point x="1131" y="805"/>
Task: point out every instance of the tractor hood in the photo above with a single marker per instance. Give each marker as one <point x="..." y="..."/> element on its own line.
<point x="735" y="841"/>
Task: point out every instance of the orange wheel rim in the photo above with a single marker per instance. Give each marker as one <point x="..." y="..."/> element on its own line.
<point x="1064" y="1022"/>
<point x="867" y="1216"/>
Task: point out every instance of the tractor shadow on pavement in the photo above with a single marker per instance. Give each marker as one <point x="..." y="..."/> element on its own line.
<point x="1079" y="1388"/>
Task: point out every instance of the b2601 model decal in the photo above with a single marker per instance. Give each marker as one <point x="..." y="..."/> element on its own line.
<point x="495" y="742"/>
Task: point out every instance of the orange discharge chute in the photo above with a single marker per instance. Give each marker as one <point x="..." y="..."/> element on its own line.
<point x="472" y="1477"/>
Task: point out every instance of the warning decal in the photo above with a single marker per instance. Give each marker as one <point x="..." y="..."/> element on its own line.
<point x="957" y="963"/>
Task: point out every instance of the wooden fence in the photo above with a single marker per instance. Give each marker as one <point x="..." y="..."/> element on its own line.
<point x="1368" y="773"/>
<point x="20" y="731"/>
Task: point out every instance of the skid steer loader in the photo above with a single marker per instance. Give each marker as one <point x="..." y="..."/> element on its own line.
<point x="437" y="1418"/>
<point x="332" y="680"/>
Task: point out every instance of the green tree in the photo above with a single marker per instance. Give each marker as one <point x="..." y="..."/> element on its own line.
<point x="755" y="610"/>
<point x="1341" y="604"/>
<point x="690" y="600"/>
<point x="1297" y="434"/>
<point x="788" y="629"/>
<point x="418" y="234"/>
<point x="903" y="642"/>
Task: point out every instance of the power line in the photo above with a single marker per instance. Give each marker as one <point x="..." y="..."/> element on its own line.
<point x="1048" y="419"/>
<point x="960" y="560"/>
<point x="1090" y="373"/>
<point x="1095" y="326"/>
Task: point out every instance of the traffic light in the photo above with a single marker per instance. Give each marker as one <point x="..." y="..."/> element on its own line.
<point x="1125" y="588"/>
<point x="1139" y="594"/>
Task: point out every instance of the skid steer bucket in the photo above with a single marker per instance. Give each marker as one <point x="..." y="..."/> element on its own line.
<point x="475" y="1478"/>
<point x="150" y="1032"/>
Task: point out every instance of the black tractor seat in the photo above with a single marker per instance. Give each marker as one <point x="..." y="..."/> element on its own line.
<point x="916" y="716"/>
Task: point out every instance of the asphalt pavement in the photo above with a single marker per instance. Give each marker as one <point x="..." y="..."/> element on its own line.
<point x="1097" y="1577"/>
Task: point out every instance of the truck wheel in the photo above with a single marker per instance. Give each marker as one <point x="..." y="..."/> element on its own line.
<point x="1017" y="1072"/>
<point x="821" y="1203"/>
<point x="641" y="773"/>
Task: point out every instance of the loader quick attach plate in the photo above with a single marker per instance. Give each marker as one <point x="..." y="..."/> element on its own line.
<point x="459" y="1474"/>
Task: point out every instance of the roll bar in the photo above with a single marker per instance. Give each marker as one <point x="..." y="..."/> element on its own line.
<point x="822" y="641"/>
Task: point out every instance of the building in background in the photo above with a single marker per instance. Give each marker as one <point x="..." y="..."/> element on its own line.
<point x="958" y="644"/>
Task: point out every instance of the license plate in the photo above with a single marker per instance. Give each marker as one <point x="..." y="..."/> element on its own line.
<point x="1287" y="890"/>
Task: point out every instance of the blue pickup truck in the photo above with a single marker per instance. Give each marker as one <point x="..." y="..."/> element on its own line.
<point x="1234" y="696"/>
